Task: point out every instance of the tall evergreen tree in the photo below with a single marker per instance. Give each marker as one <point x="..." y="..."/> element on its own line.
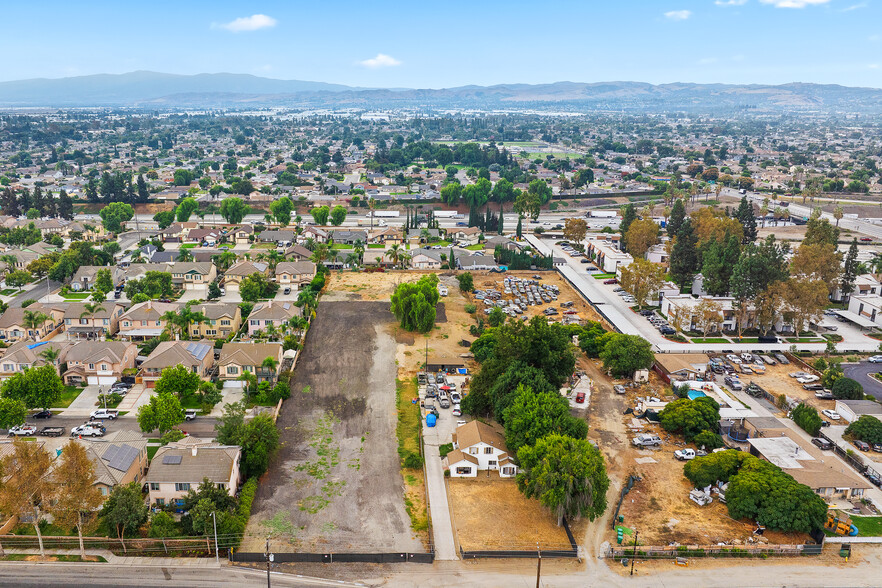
<point x="850" y="272"/>
<point x="51" y="208"/>
<point x="65" y="206"/>
<point x="748" y="220"/>
<point x="38" y="201"/>
<point x="675" y="220"/>
<point x="143" y="192"/>
<point x="519" y="229"/>
<point x="24" y="200"/>
<point x="684" y="256"/>
<point x="92" y="190"/>
<point x="629" y="215"/>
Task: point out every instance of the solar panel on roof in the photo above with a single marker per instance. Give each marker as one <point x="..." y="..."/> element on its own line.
<point x="110" y="453"/>
<point x="198" y="350"/>
<point x="123" y="459"/>
<point x="171" y="459"/>
<point x="286" y="306"/>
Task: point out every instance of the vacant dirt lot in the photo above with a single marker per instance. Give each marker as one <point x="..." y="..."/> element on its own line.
<point x="336" y="479"/>
<point x="490" y="513"/>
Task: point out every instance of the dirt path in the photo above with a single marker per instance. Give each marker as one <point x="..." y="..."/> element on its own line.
<point x="336" y="479"/>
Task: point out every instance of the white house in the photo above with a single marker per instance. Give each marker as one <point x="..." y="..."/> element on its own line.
<point x="478" y="447"/>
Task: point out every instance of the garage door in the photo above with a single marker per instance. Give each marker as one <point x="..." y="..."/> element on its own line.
<point x="234" y="384"/>
<point x="101" y="380"/>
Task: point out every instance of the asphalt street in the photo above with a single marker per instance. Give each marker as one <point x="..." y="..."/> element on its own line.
<point x="862" y="373"/>
<point x="200" y="427"/>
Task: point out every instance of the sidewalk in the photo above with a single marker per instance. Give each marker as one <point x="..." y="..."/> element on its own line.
<point x="439" y="509"/>
<point x="121" y="560"/>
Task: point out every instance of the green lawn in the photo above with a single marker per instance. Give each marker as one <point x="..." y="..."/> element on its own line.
<point x="189" y="245"/>
<point x="151" y="450"/>
<point x="710" y="340"/>
<point x="806" y="340"/>
<point x="76" y="295"/>
<point x="376" y="246"/>
<point x="69" y="395"/>
<point x="263" y="246"/>
<point x="8" y="291"/>
<point x="603" y="276"/>
<point x="341" y="246"/>
<point x="476" y="247"/>
<point x="556" y="154"/>
<point x="745" y="340"/>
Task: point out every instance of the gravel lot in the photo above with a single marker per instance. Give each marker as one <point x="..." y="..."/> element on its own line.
<point x="336" y="478"/>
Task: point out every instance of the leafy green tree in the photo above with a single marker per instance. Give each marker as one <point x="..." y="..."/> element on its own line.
<point x="18" y="278"/>
<point x="590" y="341"/>
<point x="162" y="525"/>
<point x="164" y="218"/>
<point x="177" y="380"/>
<point x="228" y="427"/>
<point x="718" y="262"/>
<point x="690" y="417"/>
<point x="186" y="209"/>
<point x="847" y="389"/>
<point x="38" y="387"/>
<point x="162" y="413"/>
<point x="758" y="268"/>
<point x="281" y="210"/>
<point x="531" y="417"/>
<point x="466" y="282"/>
<point x="234" y="210"/>
<point x="719" y="466"/>
<point x="624" y="354"/>
<point x="114" y="214"/>
<point x="254" y="287"/>
<point x="338" y="215"/>
<point x="866" y="428"/>
<point x="503" y="388"/>
<point x="259" y="440"/>
<point x="819" y="231"/>
<point x="76" y="496"/>
<point x="807" y="418"/>
<point x="103" y="281"/>
<point x="496" y="318"/>
<point x="629" y="215"/>
<point x="320" y="214"/>
<point x="675" y="220"/>
<point x="413" y="303"/>
<point x="214" y="291"/>
<point x="125" y="510"/>
<point x="566" y="475"/>
<point x="684" y="255"/>
<point x="13" y="412"/>
<point x="708" y="440"/>
<point x="748" y="220"/>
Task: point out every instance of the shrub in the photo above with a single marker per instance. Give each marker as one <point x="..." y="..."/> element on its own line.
<point x="866" y="428"/>
<point x="246" y="497"/>
<point x="708" y="439"/>
<point x="413" y="461"/>
<point x="807" y="418"/>
<point x="690" y="417"/>
<point x="847" y="389"/>
<point x="471" y="308"/>
<point x="172" y="436"/>
<point x="27" y="302"/>
<point x="466" y="282"/>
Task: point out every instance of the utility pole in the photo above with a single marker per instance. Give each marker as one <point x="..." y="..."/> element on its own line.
<point x="267" y="564"/>
<point x="538" y="564"/>
<point x="633" y="555"/>
<point x="216" y="548"/>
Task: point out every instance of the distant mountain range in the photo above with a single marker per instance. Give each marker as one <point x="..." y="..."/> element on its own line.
<point x="223" y="90"/>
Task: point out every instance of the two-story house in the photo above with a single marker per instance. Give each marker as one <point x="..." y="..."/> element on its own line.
<point x="242" y="269"/>
<point x="239" y="358"/>
<point x="82" y="323"/>
<point x="24" y="355"/>
<point x="118" y="459"/>
<point x="181" y="466"/>
<point x="98" y="362"/>
<point x="144" y="320"/>
<point x="196" y="356"/>
<point x="466" y="235"/>
<point x="479" y="447"/>
<point x="241" y="234"/>
<point x="295" y="273"/>
<point x="298" y="252"/>
<point x="84" y="278"/>
<point x="222" y="318"/>
<point x="192" y="275"/>
<point x="18" y="323"/>
<point x="272" y="313"/>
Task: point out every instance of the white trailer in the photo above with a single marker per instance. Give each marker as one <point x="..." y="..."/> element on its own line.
<point x="384" y="213"/>
<point x="448" y="214"/>
<point x="602" y="213"/>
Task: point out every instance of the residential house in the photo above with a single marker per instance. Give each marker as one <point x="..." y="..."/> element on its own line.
<point x="295" y="272"/>
<point x="311" y="232"/>
<point x="239" y="358"/>
<point x="479" y="447"/>
<point x="208" y="237"/>
<point x="98" y="362"/>
<point x="84" y="278"/>
<point x="348" y="237"/>
<point x="674" y="367"/>
<point x="272" y="313"/>
<point x="282" y="236"/>
<point x="465" y="235"/>
<point x="192" y="275"/>
<point x="118" y="459"/>
<point x="504" y="242"/>
<point x="24" y="355"/>
<point x="79" y="322"/>
<point x="476" y="262"/>
<point x="25" y="254"/>
<point x="387" y="236"/>
<point x="426" y="259"/>
<point x="422" y="236"/>
<point x="242" y="269"/>
<point x="14" y="327"/>
<point x="196" y="356"/>
<point x="181" y="466"/>
<point x="144" y="320"/>
<point x="298" y="253"/>
<point x="241" y="234"/>
<point x="153" y="255"/>
<point x="222" y="319"/>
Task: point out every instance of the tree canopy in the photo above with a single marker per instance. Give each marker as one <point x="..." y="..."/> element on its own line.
<point x="413" y="303"/>
<point x="625" y="354"/>
<point x="532" y="416"/>
<point x="690" y="417"/>
<point x="866" y="428"/>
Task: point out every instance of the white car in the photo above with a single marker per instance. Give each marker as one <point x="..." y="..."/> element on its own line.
<point x="747" y="357"/>
<point x="875" y="359"/>
<point x="808" y="379"/>
<point x="23" y="431"/>
<point x="798" y="374"/>
<point x="831" y="414"/>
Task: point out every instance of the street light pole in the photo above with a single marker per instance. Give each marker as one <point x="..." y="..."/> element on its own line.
<point x="267" y="564"/>
<point x="216" y="548"/>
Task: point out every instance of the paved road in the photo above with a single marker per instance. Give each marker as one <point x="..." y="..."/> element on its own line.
<point x="861" y="372"/>
<point x="35" y="292"/>
<point x="201" y="427"/>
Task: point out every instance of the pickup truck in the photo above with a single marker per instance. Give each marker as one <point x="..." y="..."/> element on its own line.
<point x="104" y="413"/>
<point x="686" y="454"/>
<point x="22" y="431"/>
<point x="88" y="430"/>
<point x="646" y="440"/>
<point x="52" y="431"/>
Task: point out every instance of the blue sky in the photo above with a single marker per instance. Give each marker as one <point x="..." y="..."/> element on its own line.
<point x="416" y="44"/>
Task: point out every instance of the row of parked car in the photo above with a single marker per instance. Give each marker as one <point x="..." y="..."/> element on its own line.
<point x="440" y="387"/>
<point x="659" y="323"/>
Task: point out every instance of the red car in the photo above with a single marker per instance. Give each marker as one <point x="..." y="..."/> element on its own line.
<point x="580" y="397"/>
<point x="866" y="239"/>
<point x="611" y="281"/>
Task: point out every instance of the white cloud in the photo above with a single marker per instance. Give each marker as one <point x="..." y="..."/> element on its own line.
<point x="730" y="2"/>
<point x="874" y="38"/>
<point x="854" y="7"/>
<point x="707" y="60"/>
<point x="255" y="22"/>
<point x="873" y="66"/>
<point x="381" y="60"/>
<point x="678" y="14"/>
<point x="794" y="3"/>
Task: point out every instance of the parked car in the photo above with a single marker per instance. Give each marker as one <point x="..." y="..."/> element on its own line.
<point x="782" y="359"/>
<point x="580" y="397"/>
<point x="875" y="359"/>
<point x="733" y="383"/>
<point x="190" y="414"/>
<point x="286" y="291"/>
<point x="611" y="281"/>
<point x="798" y="374"/>
<point x="43" y="414"/>
<point x="808" y="379"/>
<point x="862" y="445"/>
<point x="104" y="413"/>
<point x="877" y="447"/>
<point x="684" y="454"/>
<point x="619" y="389"/>
<point x="824" y="394"/>
<point x="831" y="414"/>
<point x="457" y="410"/>
<point x="812" y="387"/>
<point x="22" y="431"/>
<point x="646" y="440"/>
<point x="822" y="443"/>
<point x="88" y="430"/>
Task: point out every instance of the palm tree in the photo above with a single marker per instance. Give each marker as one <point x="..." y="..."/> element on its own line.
<point x="358" y="248"/>
<point x="50" y="355"/>
<point x="321" y="253"/>
<point x="270" y="363"/>
<point x="225" y="259"/>
<point x="405" y="260"/>
<point x="34" y="319"/>
<point x="395" y="253"/>
<point x="353" y="260"/>
<point x="274" y="257"/>
<point x="185" y="255"/>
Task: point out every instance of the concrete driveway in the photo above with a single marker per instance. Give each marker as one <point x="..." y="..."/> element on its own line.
<point x="84" y="404"/>
<point x="861" y="372"/>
